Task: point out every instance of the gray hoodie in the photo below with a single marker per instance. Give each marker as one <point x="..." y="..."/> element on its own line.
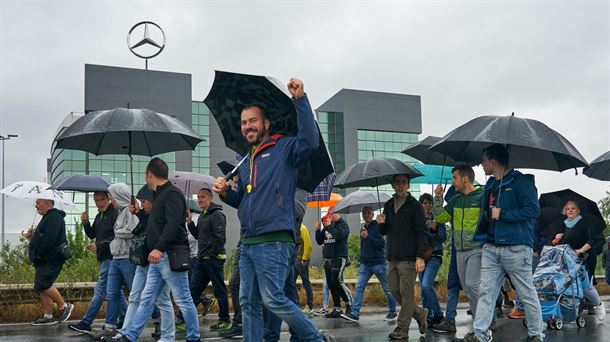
<point x="126" y="222"/>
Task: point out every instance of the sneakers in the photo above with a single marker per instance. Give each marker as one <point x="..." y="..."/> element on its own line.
<point x="445" y="326"/>
<point x="308" y="311"/>
<point x="80" y="327"/>
<point x="105" y="332"/>
<point x="534" y="339"/>
<point x="334" y="314"/>
<point x="516" y="314"/>
<point x="469" y="312"/>
<point x="600" y="312"/>
<point x="221" y="326"/>
<point x="208" y="304"/>
<point x="399" y="334"/>
<point x="350" y="317"/>
<point x="321" y="312"/>
<point x="44" y="321"/>
<point x="235" y="331"/>
<point x="66" y="311"/>
<point x="180" y="327"/>
<point x="470" y="337"/>
<point x="391" y="317"/>
<point x="422" y="322"/>
<point x="116" y="338"/>
<point x="435" y="320"/>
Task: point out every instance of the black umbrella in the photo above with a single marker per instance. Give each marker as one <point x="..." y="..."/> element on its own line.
<point x="559" y="199"/>
<point x="374" y="172"/>
<point x="531" y="143"/>
<point x="421" y="151"/>
<point x="226" y="166"/>
<point x="128" y="131"/>
<point x="600" y="167"/>
<point x="231" y="92"/>
<point x="357" y="200"/>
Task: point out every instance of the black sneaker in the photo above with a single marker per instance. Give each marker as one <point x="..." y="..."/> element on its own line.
<point x="350" y="317"/>
<point x="221" y="326"/>
<point x="435" y="320"/>
<point x="44" y="321"/>
<point x="391" y="317"/>
<point x="445" y="327"/>
<point x="334" y="314"/>
<point x="207" y="303"/>
<point x="66" y="312"/>
<point x="235" y="331"/>
<point x="80" y="327"/>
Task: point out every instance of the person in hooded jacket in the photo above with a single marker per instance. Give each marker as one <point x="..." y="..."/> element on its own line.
<point x="121" y="270"/>
<point x="334" y="238"/>
<point x="44" y="255"/>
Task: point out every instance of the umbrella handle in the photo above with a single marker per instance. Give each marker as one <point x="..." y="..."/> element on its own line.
<point x="233" y="172"/>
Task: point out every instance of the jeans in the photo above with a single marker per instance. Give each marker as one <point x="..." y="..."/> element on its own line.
<point x="401" y="279"/>
<point x="273" y="325"/>
<point x="164" y="305"/>
<point x="365" y="272"/>
<point x="159" y="275"/>
<point x="496" y="262"/>
<point x="121" y="272"/>
<point x="535" y="261"/>
<point x="204" y="272"/>
<point x="453" y="288"/>
<point x="469" y="270"/>
<point x="325" y="294"/>
<point x="264" y="269"/>
<point x="302" y="270"/>
<point x="428" y="293"/>
<point x="99" y="294"/>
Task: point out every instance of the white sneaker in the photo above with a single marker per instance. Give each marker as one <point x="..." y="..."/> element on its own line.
<point x="600" y="312"/>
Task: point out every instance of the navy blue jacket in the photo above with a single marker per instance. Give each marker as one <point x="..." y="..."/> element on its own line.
<point x="519" y="209"/>
<point x="334" y="239"/>
<point x="269" y="206"/>
<point x="372" y="249"/>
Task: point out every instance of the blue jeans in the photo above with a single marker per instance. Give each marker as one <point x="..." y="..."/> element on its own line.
<point x="496" y="262"/>
<point x="518" y="303"/>
<point x="159" y="275"/>
<point x="164" y="305"/>
<point x="121" y="272"/>
<point x="99" y="294"/>
<point x="273" y="326"/>
<point x="365" y="272"/>
<point x="428" y="293"/>
<point x="453" y="288"/>
<point x="264" y="269"/>
<point x="325" y="293"/>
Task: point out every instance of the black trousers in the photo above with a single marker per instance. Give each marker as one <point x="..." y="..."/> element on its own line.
<point x="333" y="269"/>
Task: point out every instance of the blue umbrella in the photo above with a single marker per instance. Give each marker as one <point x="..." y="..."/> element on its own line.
<point x="82" y="183"/>
<point x="433" y="174"/>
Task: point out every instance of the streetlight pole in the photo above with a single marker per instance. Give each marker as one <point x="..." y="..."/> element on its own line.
<point x="4" y="138"/>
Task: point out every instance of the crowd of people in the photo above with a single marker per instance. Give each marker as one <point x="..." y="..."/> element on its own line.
<point x="495" y="234"/>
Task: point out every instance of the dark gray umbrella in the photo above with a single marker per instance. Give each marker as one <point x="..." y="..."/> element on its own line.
<point x="231" y="92"/>
<point x="354" y="202"/>
<point x="600" y="167"/>
<point x="128" y="131"/>
<point x="190" y="182"/>
<point x="421" y="151"/>
<point x="226" y="166"/>
<point x="374" y="172"/>
<point x="83" y="183"/>
<point x="531" y="143"/>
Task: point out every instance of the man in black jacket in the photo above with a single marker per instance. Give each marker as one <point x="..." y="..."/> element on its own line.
<point x="165" y="233"/>
<point x="44" y="255"/>
<point x="334" y="238"/>
<point x="210" y="232"/>
<point x="404" y="223"/>
<point x="102" y="230"/>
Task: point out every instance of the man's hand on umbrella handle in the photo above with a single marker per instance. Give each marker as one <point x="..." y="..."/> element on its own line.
<point x="420" y="265"/>
<point x="154" y="256"/>
<point x="84" y="217"/>
<point x="495" y="213"/>
<point x="296" y="88"/>
<point x="380" y="218"/>
<point x="439" y="190"/>
<point x="221" y="186"/>
<point x="318" y="225"/>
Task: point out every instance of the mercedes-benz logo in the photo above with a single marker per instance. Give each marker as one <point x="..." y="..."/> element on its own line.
<point x="147" y="46"/>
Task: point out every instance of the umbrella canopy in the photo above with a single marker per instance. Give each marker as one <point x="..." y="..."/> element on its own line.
<point x="559" y="199"/>
<point x="433" y="174"/>
<point x="83" y="183"/>
<point x="128" y="131"/>
<point x="374" y="172"/>
<point x="30" y="191"/>
<point x="354" y="202"/>
<point x="600" y="167"/>
<point x="323" y="190"/>
<point x="531" y="143"/>
<point x="226" y="166"/>
<point x="190" y="182"/>
<point x="332" y="200"/>
<point x="232" y="91"/>
<point x="421" y="151"/>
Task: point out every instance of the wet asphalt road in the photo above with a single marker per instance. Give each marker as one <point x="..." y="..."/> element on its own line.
<point x="371" y="327"/>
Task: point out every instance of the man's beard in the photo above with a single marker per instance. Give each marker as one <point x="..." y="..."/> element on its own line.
<point x="258" y="138"/>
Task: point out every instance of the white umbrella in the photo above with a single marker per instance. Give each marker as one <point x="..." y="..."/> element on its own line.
<point x="30" y="191"/>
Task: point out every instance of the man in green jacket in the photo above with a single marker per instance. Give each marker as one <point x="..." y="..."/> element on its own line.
<point x="463" y="210"/>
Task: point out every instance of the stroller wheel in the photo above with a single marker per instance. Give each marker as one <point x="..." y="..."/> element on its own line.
<point x="558" y="324"/>
<point x="550" y="324"/>
<point x="580" y="321"/>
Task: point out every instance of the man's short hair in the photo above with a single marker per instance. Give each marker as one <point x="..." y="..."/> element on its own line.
<point x="101" y="193"/>
<point x="207" y="191"/>
<point x="367" y="207"/>
<point x="256" y="105"/>
<point x="158" y="168"/>
<point x="426" y="197"/>
<point x="464" y="171"/>
<point x="497" y="152"/>
<point x="408" y="178"/>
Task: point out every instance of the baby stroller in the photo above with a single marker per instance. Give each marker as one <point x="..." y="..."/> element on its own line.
<point x="559" y="279"/>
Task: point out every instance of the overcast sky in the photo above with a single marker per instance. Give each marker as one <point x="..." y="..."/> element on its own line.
<point x="547" y="60"/>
